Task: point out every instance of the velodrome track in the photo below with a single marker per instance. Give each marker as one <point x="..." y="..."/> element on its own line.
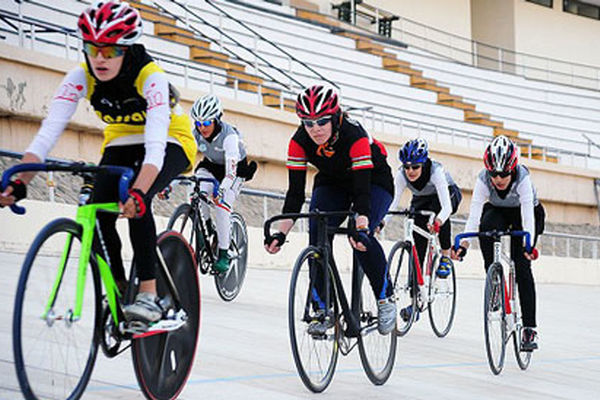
<point x="244" y="351"/>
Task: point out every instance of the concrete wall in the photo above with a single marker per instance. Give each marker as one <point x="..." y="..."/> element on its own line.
<point x="266" y="131"/>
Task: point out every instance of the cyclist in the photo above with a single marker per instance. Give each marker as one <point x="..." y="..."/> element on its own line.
<point x="352" y="174"/>
<point x="434" y="190"/>
<point x="224" y="160"/>
<point x="146" y="130"/>
<point x="504" y="197"/>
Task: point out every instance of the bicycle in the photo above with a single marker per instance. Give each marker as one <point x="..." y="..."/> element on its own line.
<point x="61" y="317"/>
<point x="501" y="318"/>
<point x="316" y="354"/>
<point x="420" y="288"/>
<point x="200" y="233"/>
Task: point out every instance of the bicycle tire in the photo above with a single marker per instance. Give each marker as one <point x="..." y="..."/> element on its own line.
<point x="405" y="285"/>
<point x="316" y="377"/>
<point x="181" y="221"/>
<point x="377" y="351"/>
<point x="494" y="317"/>
<point x="523" y="357"/>
<point x="442" y="289"/>
<point x="230" y="282"/>
<point x="157" y="380"/>
<point x="35" y="362"/>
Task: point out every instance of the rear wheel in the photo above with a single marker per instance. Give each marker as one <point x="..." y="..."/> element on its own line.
<point x="442" y="297"/>
<point x="162" y="362"/>
<point x="315" y="355"/>
<point x="230" y="282"/>
<point x="404" y="281"/>
<point x="55" y="350"/>
<point x="494" y="318"/>
<point x="377" y="351"/>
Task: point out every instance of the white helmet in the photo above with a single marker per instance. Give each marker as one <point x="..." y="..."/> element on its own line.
<point x="207" y="108"/>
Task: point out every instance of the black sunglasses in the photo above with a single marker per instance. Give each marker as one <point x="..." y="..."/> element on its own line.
<point x="414" y="167"/>
<point x="309" y="123"/>
<point x="502" y="174"/>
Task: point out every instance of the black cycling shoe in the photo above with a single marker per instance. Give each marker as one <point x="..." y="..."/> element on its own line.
<point x="529" y="340"/>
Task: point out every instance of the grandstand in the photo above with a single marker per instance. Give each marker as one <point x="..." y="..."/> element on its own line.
<point x="261" y="53"/>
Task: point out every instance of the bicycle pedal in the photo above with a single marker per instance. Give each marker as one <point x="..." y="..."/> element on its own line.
<point x="135" y="327"/>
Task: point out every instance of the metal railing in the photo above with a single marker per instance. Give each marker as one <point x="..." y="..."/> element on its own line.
<point x="483" y="55"/>
<point x="386" y="121"/>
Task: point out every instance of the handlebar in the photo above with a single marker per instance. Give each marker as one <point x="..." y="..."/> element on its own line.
<point x="196" y="180"/>
<point x="312" y="214"/>
<point x="126" y="174"/>
<point x="496" y="235"/>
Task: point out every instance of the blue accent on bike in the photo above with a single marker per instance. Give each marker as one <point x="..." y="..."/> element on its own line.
<point x="465" y="235"/>
<point x="316" y="298"/>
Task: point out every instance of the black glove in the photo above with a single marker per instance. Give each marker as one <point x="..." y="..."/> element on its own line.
<point x="361" y="235"/>
<point x="279" y="236"/>
<point x="461" y="252"/>
<point x="19" y="189"/>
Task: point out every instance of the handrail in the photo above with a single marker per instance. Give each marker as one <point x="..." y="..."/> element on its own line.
<point x="210" y="2"/>
<point x="186" y="8"/>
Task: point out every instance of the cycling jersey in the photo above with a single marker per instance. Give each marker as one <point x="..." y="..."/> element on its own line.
<point x="520" y="193"/>
<point x="137" y="105"/>
<point x="434" y="180"/>
<point x="351" y="161"/>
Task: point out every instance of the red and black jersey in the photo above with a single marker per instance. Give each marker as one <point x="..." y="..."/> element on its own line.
<point x="352" y="161"/>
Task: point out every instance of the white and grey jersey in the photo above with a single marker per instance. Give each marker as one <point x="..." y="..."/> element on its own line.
<point x="429" y="189"/>
<point x="513" y="197"/>
<point x="226" y="145"/>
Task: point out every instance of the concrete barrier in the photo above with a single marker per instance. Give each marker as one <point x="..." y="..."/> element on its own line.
<point x="19" y="232"/>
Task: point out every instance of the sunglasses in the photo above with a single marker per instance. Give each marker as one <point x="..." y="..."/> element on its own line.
<point x="503" y="174"/>
<point x="200" y="124"/>
<point x="321" y="122"/>
<point x="414" y="167"/>
<point x="107" y="51"/>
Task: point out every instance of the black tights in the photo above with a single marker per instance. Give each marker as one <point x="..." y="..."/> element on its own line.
<point x="142" y="231"/>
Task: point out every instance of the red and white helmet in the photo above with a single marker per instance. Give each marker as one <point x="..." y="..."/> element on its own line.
<point x="110" y="23"/>
<point x="501" y="155"/>
<point x="317" y="101"/>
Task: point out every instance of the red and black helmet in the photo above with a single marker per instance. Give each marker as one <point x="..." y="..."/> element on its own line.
<point x="110" y="23"/>
<point x="317" y="101"/>
<point x="501" y="155"/>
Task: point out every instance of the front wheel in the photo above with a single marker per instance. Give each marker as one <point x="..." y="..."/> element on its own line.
<point x="442" y="298"/>
<point x="230" y="282"/>
<point x="377" y="351"/>
<point x="315" y="354"/>
<point x="54" y="348"/>
<point x="405" y="286"/>
<point x="163" y="362"/>
<point x="494" y="318"/>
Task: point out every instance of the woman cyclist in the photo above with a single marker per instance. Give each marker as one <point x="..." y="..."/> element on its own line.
<point x="224" y="160"/>
<point x="352" y="174"/>
<point x="146" y="131"/>
<point x="434" y="190"/>
<point x="504" y="198"/>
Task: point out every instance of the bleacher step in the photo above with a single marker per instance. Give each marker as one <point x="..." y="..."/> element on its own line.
<point x="214" y="58"/>
<point x="315" y="16"/>
<point x="458" y="104"/>
<point x="151" y="13"/>
<point x="487" y="122"/>
<point x="274" y="101"/>
<point x="470" y="115"/>
<point x="179" y="35"/>
<point x="246" y="81"/>
<point x="512" y="134"/>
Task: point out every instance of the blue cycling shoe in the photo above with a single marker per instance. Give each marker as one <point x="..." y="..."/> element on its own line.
<point x="444" y="268"/>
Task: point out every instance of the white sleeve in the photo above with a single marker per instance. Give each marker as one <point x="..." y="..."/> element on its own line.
<point x="232" y="155"/>
<point x="158" y="118"/>
<point x="525" y="191"/>
<point x="441" y="187"/>
<point x="399" y="186"/>
<point x="63" y="106"/>
<point x="480" y="194"/>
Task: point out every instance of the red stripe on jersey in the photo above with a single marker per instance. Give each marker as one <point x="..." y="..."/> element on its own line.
<point x="381" y="147"/>
<point x="360" y="153"/>
<point x="296" y="156"/>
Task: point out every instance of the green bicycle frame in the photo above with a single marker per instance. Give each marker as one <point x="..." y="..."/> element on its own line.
<point x="86" y="218"/>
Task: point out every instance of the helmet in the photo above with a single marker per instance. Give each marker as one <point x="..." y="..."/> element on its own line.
<point x="110" y="23"/>
<point x="501" y="155"/>
<point x="414" y="152"/>
<point x="206" y="108"/>
<point x="317" y="101"/>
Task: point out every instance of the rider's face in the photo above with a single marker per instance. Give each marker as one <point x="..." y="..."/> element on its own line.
<point x="104" y="66"/>
<point x="319" y="134"/>
<point x="501" y="183"/>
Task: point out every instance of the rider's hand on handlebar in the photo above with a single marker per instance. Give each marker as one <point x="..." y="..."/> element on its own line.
<point x="435" y="227"/>
<point x="15" y="191"/>
<point x="380" y="226"/>
<point x="274" y="242"/>
<point x="533" y="255"/>
<point x="458" y="254"/>
<point x="360" y="239"/>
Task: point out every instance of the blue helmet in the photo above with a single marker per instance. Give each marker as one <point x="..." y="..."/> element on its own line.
<point x="414" y="152"/>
